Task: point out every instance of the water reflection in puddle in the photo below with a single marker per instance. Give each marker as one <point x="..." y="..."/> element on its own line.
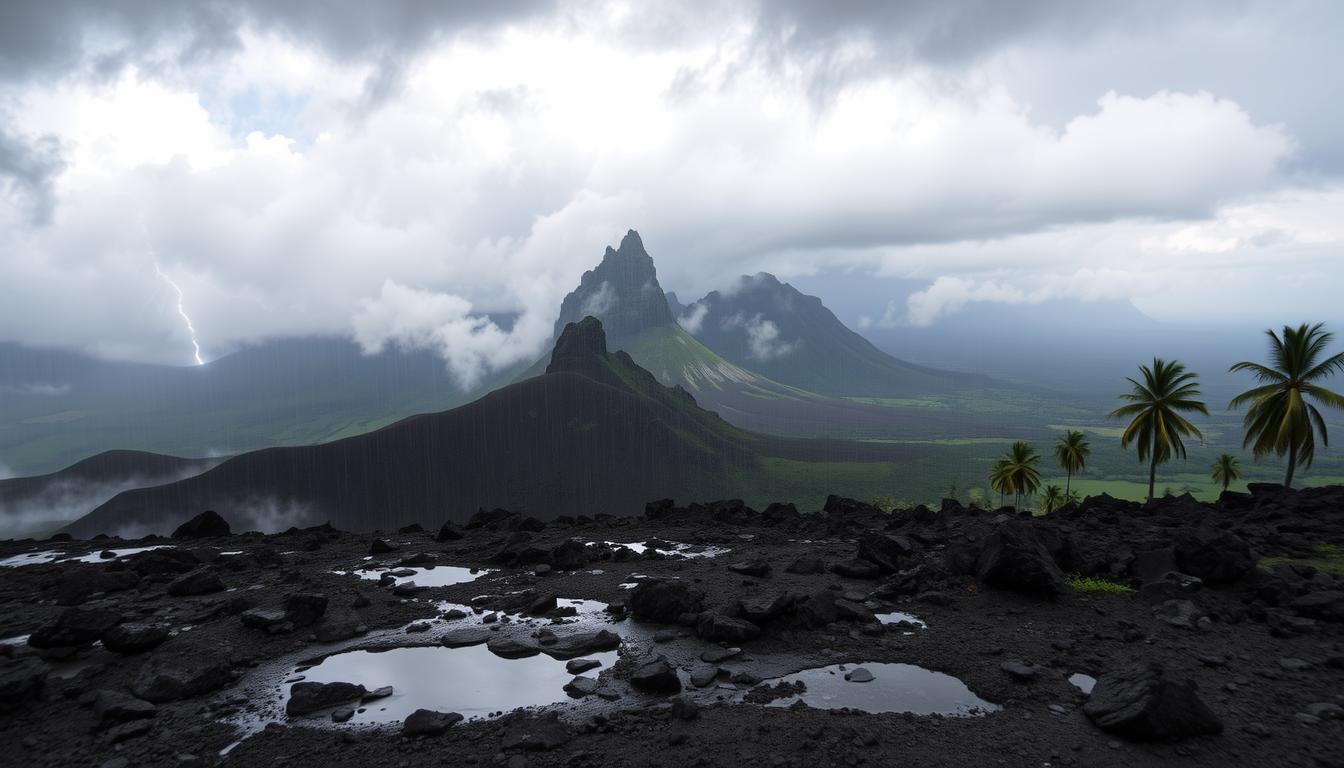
<point x="51" y="556"/>
<point x="690" y="551"/>
<point x="893" y="688"/>
<point x="471" y="681"/>
<point x="908" y="619"/>
<point x="435" y="576"/>
<point x="1083" y="682"/>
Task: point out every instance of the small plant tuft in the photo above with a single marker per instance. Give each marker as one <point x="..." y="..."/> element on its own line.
<point x="1095" y="586"/>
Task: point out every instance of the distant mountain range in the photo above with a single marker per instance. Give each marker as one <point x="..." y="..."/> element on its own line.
<point x="58" y="407"/>
<point x="767" y="357"/>
<point x="36" y="505"/>
<point x="594" y="433"/>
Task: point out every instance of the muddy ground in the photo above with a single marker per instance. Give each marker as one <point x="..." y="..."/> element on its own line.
<point x="1258" y="634"/>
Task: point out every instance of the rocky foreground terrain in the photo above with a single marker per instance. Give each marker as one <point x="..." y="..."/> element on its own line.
<point x="1214" y="633"/>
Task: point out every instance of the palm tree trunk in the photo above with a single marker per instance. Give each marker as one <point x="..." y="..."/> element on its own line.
<point x="1292" y="463"/>
<point x="1152" y="475"/>
<point x="1067" y="479"/>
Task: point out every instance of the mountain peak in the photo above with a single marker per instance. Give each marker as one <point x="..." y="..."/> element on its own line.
<point x="580" y="345"/>
<point x="622" y="291"/>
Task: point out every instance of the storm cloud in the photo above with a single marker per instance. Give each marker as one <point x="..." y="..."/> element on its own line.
<point x="399" y="171"/>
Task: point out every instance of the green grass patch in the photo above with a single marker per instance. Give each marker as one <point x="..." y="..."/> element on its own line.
<point x="1094" y="586"/>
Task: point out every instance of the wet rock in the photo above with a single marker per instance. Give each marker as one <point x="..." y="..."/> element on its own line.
<point x="1295" y="665"/>
<point x="906" y="582"/>
<point x="306" y="698"/>
<point x="848" y="610"/>
<point x="161" y="682"/>
<point x="339" y="625"/>
<point x="806" y="566"/>
<point x="719" y="655"/>
<point x="656" y="676"/>
<point x="817" y="610"/>
<point x="449" y="532"/>
<point x="75" y="627"/>
<point x="135" y="638"/>
<point x="583" y="643"/>
<point x="1181" y="614"/>
<point x="703" y="676"/>
<point x="376" y="694"/>
<point x="716" y="626"/>
<point x="407" y="589"/>
<point x="461" y="638"/>
<point x="507" y="647"/>
<point x="570" y="555"/>
<point x="662" y="601"/>
<point x="1015" y="559"/>
<point x="1217" y="557"/>
<point x="21" y="680"/>
<point x="199" y="582"/>
<point x="382" y="547"/>
<point x="1021" y="671"/>
<point x="579" y="666"/>
<point x="342" y="714"/>
<point x="535" y="734"/>
<point x="542" y="604"/>
<point x="1325" y="710"/>
<point x="207" y="525"/>
<point x="305" y="608"/>
<point x="581" y="686"/>
<point x="427" y="722"/>
<point x="115" y="707"/>
<point x="260" y="618"/>
<point x="859" y="675"/>
<point x="754" y="568"/>
<point x="886" y="552"/>
<point x="417" y="559"/>
<point x="1141" y="702"/>
<point x="763" y="608"/>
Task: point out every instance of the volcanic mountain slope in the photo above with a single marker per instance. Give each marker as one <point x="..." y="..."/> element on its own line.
<point x="776" y="330"/>
<point x="57" y="407"/>
<point x="595" y="433"/>
<point x="623" y="291"/>
<point x="30" y="505"/>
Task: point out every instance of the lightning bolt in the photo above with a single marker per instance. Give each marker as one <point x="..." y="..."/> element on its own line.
<point x="181" y="310"/>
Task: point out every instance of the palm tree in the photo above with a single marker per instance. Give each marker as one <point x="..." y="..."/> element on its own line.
<point x="1072" y="451"/>
<point x="1071" y="497"/>
<point x="1018" y="468"/>
<point x="1000" y="479"/>
<point x="1052" y="498"/>
<point x="1155" y="408"/>
<point x="1226" y="470"/>
<point x="1280" y="418"/>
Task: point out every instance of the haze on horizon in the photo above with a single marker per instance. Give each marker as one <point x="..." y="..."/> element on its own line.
<point x="400" y="172"/>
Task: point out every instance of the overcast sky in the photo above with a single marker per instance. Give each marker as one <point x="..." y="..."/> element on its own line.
<point x="394" y="170"/>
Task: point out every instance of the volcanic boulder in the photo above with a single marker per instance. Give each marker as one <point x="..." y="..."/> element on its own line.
<point x="207" y="525"/>
<point x="1141" y="702"/>
<point x="663" y="601"/>
<point x="1013" y="558"/>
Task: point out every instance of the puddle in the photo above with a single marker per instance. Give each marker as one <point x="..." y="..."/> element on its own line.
<point x="30" y="558"/>
<point x="16" y="640"/>
<point x="908" y="619"/>
<point x="97" y="557"/>
<point x="690" y="551"/>
<point x="471" y="680"/>
<point x="436" y="576"/>
<point x="1083" y="682"/>
<point x="894" y="688"/>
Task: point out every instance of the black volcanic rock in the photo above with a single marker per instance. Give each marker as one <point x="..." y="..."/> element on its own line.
<point x="135" y="638"/>
<point x="1015" y="558"/>
<point x="75" y="627"/>
<point x="662" y="601"/>
<point x="21" y="679"/>
<point x="1217" y="557"/>
<point x="207" y="525"/>
<point x="1141" y="702"/>
<point x="306" y="698"/>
